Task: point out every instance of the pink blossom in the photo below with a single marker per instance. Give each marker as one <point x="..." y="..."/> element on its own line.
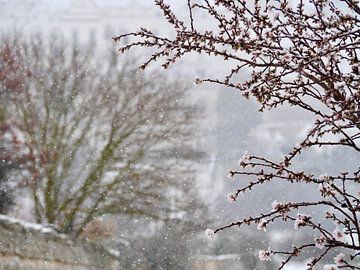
<point x="324" y="177"/>
<point x="301" y="220"/>
<point x="320" y="242"/>
<point x="210" y="233"/>
<point x="262" y="225"/>
<point x="326" y="190"/>
<point x="340" y="259"/>
<point x="231" y="197"/>
<point x="265" y="255"/>
<point x="273" y="16"/>
<point x="286" y="57"/>
<point x="231" y="174"/>
<point x="198" y="81"/>
<point x="339" y="85"/>
<point x="338" y="234"/>
<point x="246" y="156"/>
<point x="275" y="205"/>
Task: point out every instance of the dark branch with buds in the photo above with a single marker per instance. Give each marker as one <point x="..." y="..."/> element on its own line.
<point x="300" y="53"/>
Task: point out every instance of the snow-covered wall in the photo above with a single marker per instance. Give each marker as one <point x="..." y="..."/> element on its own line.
<point x="31" y="246"/>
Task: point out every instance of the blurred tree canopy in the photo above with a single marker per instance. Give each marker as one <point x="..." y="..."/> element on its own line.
<point x="6" y="166"/>
<point x="99" y="137"/>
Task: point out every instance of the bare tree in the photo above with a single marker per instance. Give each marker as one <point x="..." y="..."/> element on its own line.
<point x="100" y="137"/>
<point x="300" y="53"/>
<point x="11" y="156"/>
<point x="7" y="165"/>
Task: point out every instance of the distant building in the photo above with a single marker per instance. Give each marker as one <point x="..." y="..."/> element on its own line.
<point x="82" y="19"/>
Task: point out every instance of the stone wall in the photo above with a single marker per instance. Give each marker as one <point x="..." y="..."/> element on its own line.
<point x="31" y="246"/>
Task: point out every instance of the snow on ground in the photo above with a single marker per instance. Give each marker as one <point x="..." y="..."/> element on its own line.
<point x="27" y="225"/>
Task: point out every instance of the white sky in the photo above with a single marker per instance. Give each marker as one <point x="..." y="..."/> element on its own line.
<point x="113" y="2"/>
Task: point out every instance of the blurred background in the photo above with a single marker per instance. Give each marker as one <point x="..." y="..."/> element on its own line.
<point x="135" y="161"/>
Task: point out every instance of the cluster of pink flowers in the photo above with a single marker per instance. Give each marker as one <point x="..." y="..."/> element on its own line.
<point x="340" y="259"/>
<point x="231" y="174"/>
<point x="275" y="205"/>
<point x="262" y="225"/>
<point x="246" y="156"/>
<point x="339" y="85"/>
<point x="210" y="233"/>
<point x="338" y="234"/>
<point x="285" y="57"/>
<point x="326" y="190"/>
<point x="301" y="220"/>
<point x="324" y="177"/>
<point x="244" y="160"/>
<point x="320" y="242"/>
<point x="231" y="197"/>
<point x="198" y="81"/>
<point x="265" y="255"/>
